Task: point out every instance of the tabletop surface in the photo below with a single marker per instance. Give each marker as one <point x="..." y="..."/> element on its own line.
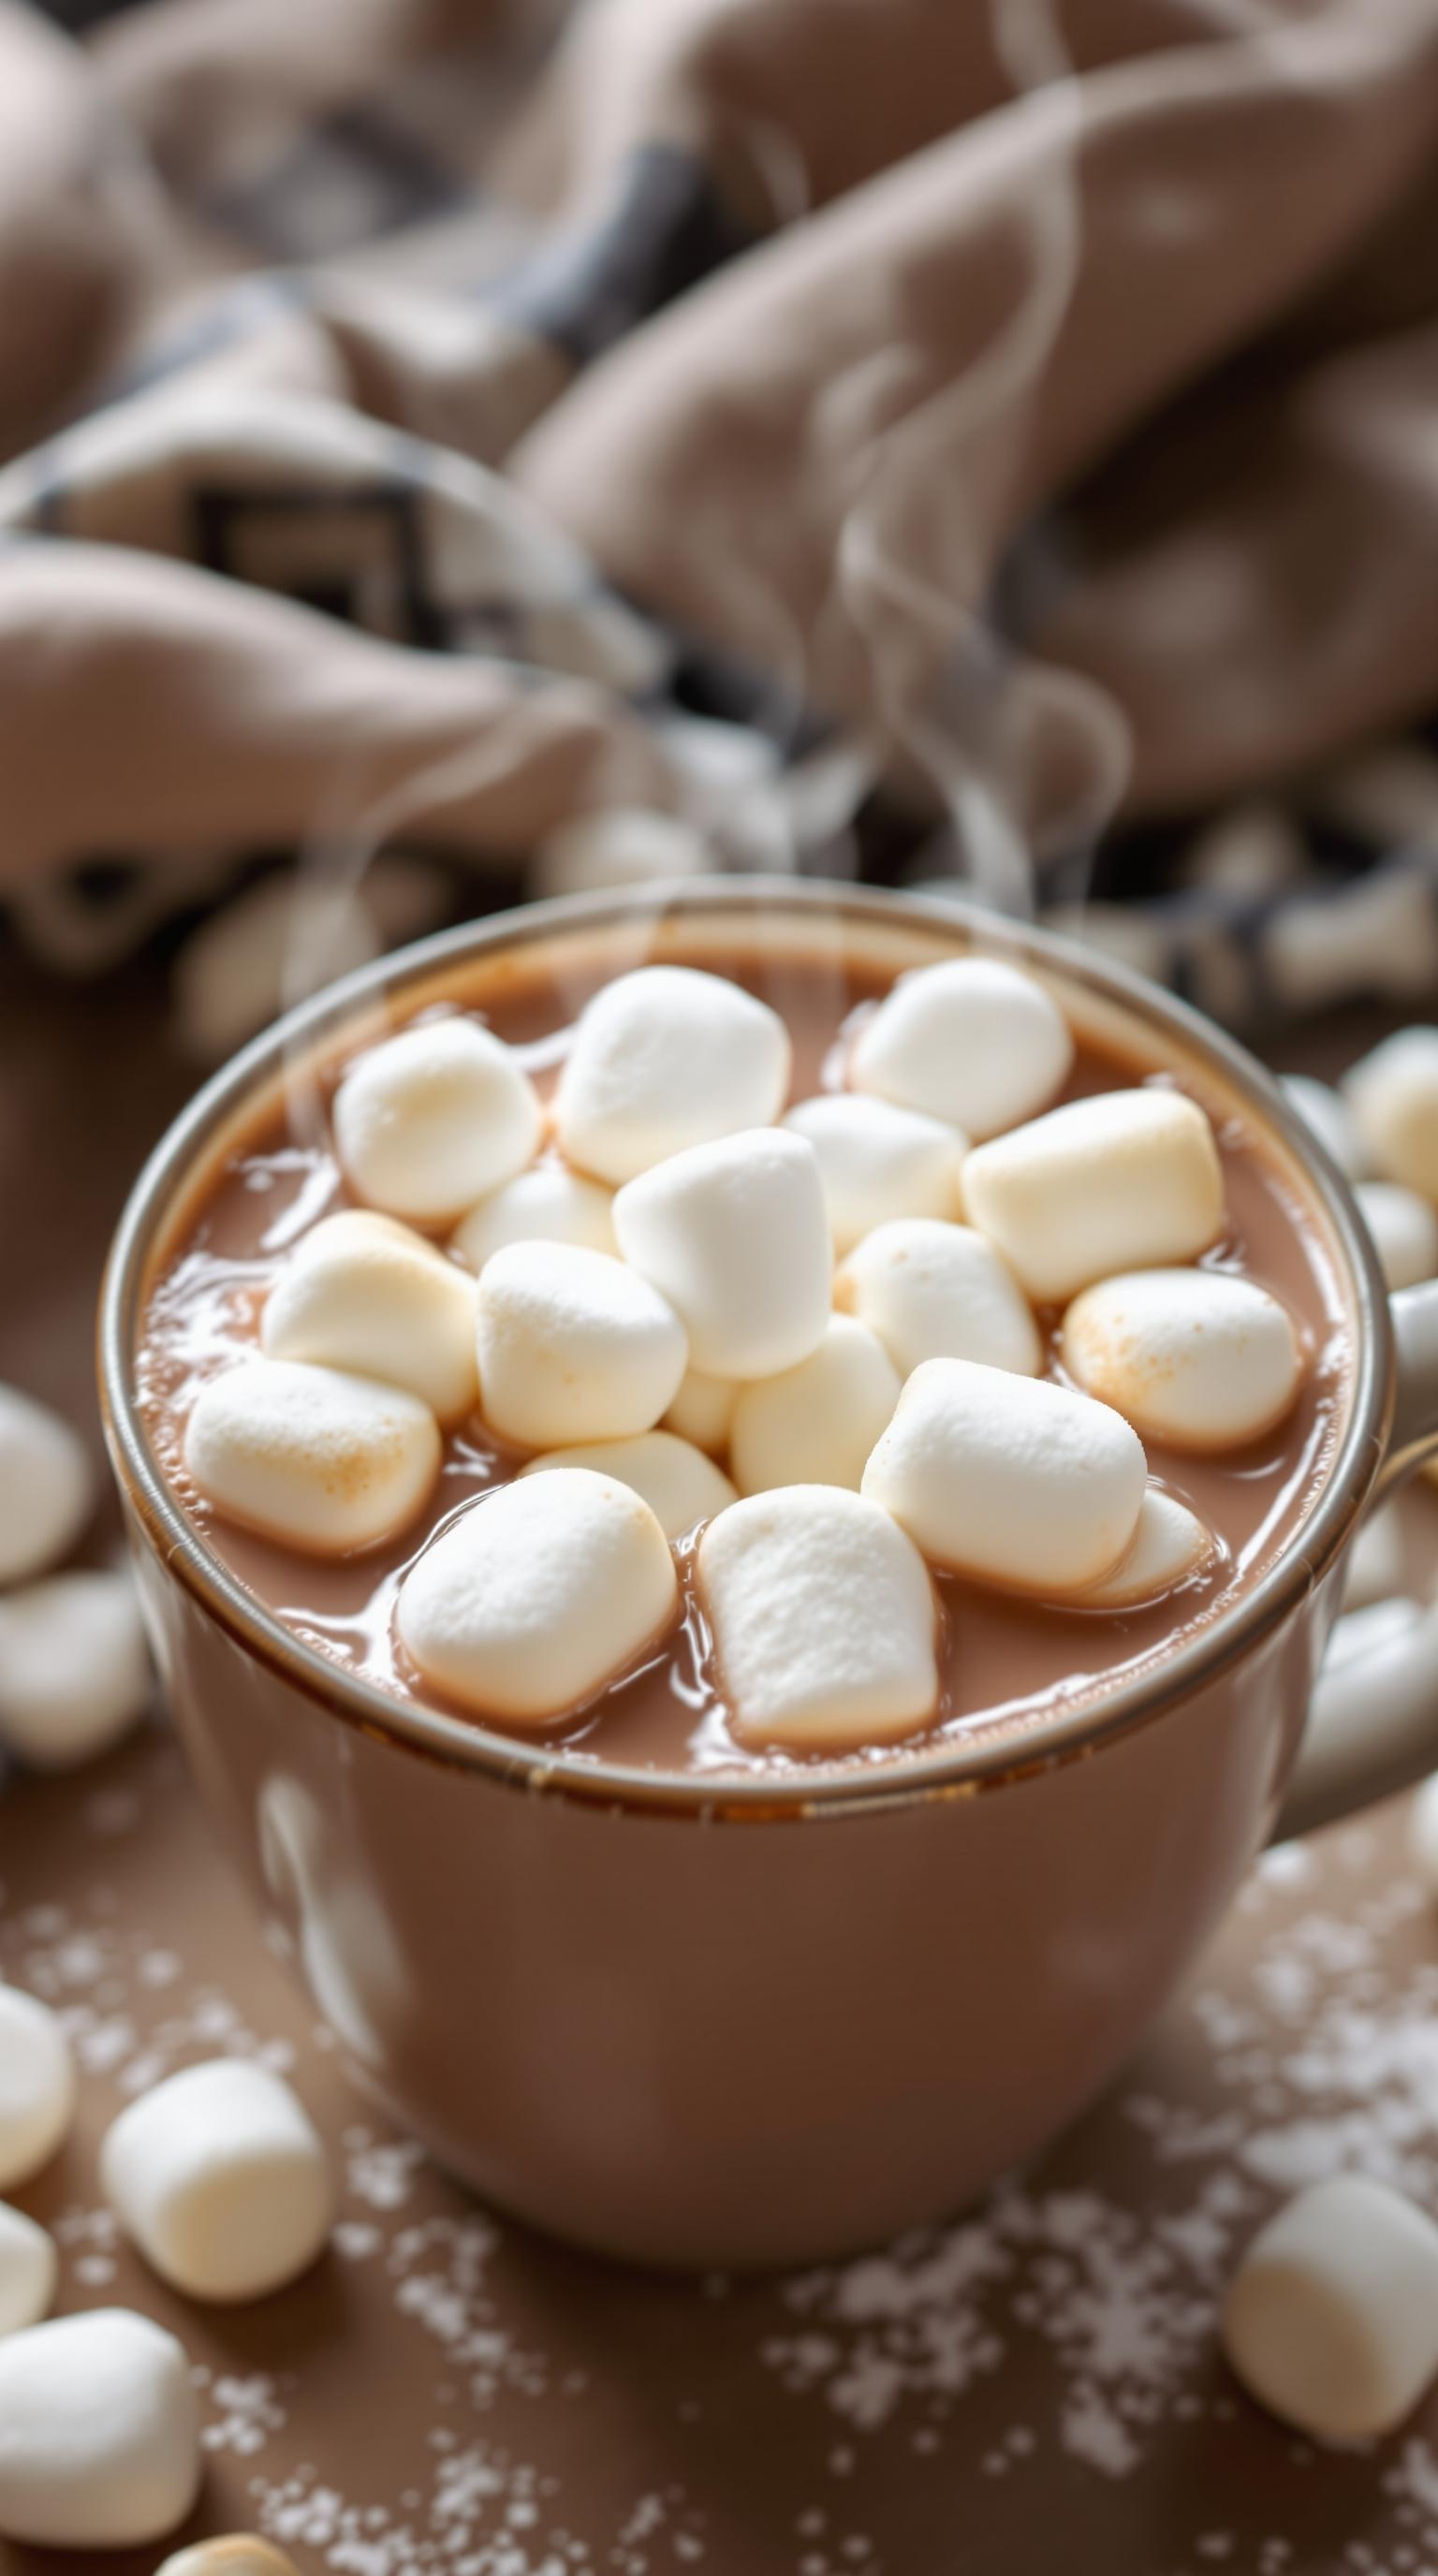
<point x="1032" y="2388"/>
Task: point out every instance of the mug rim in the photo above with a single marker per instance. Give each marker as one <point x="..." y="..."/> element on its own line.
<point x="953" y="1768"/>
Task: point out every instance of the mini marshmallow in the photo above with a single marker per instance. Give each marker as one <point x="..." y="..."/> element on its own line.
<point x="971" y="1040"/>
<point x="37" y="2086"/>
<point x="932" y="1291"/>
<point x="1375" y="1569"/>
<point x="703" y="1410"/>
<point x="1328" y="1114"/>
<point x="824" y="1621"/>
<point x="364" y="1293"/>
<point x="546" y="1204"/>
<point x="220" y="2178"/>
<point x="816" y="1424"/>
<point x="573" y="1347"/>
<point x="664" y="1059"/>
<point x="1331" y="2320"/>
<point x="1193" y="1357"/>
<point x="1393" y="1095"/>
<point x="681" y="1486"/>
<point x="29" y="2262"/>
<point x="735" y="1235"/>
<point x="1404" y="1230"/>
<point x="877" y="1162"/>
<point x="1010" y="1479"/>
<point x="428" y="1121"/>
<point x="1114" y="1182"/>
<point x="47" y="1486"/>
<point x="1169" y="1545"/>
<point x="538" y="1595"/>
<point x="234" y="2553"/>
<point x="74" y="1667"/>
<point x="99" y="2432"/>
<point x="313" y="1456"/>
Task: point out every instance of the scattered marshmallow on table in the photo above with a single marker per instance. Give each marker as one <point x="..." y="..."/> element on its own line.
<point x="1009" y="1479"/>
<point x="47" y="1486"/>
<point x="1328" y="1114"/>
<point x="425" y="1123"/>
<point x="1117" y="1181"/>
<point x="971" y="1040"/>
<point x="1393" y="1095"/>
<point x="824" y="1621"/>
<point x="877" y="1161"/>
<point x="573" y="1346"/>
<point x="232" y="2553"/>
<point x="1331" y="2319"/>
<point x="1196" y="1358"/>
<point x="546" y="1204"/>
<point x="1169" y="1545"/>
<point x="219" y="2176"/>
<point x="815" y="1424"/>
<point x="679" y="1483"/>
<point x="99" y="2432"/>
<point x="37" y="2085"/>
<point x="664" y="1059"/>
<point x="313" y="1456"/>
<point x="365" y="1293"/>
<point x="933" y="1291"/>
<point x="735" y="1235"/>
<point x="703" y="1410"/>
<point x="1404" y="1228"/>
<point x="538" y="1595"/>
<point x="29" y="2262"/>
<point x="74" y="1667"/>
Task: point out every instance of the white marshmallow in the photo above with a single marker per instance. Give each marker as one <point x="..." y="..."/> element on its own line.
<point x="1423" y="1834"/>
<point x="1114" y="1182"/>
<point x="546" y="1204"/>
<point x="28" y="2265"/>
<point x="703" y="1410"/>
<point x="219" y="2176"/>
<point x="47" y="1486"/>
<point x="99" y="2432"/>
<point x="1328" y="1114"/>
<point x="233" y="2553"/>
<point x="1404" y="1230"/>
<point x="74" y="1667"/>
<point x="619" y="846"/>
<point x="815" y="1424"/>
<point x="573" y="1346"/>
<point x="1192" y="1357"/>
<point x="734" y="1234"/>
<point x="933" y="1291"/>
<point x="364" y="1293"/>
<point x="824" y="1621"/>
<point x="663" y="1059"/>
<point x="312" y="1456"/>
<point x="1375" y="1569"/>
<point x="1393" y="1094"/>
<point x="681" y="1486"/>
<point x="1169" y="1545"/>
<point x="1009" y="1479"/>
<point x="971" y="1040"/>
<point x="37" y="2086"/>
<point x="1331" y="2319"/>
<point x="877" y="1162"/>
<point x="428" y="1121"/>
<point x="538" y="1595"/>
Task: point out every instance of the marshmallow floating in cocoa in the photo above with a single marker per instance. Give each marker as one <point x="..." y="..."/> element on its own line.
<point x="1331" y="2320"/>
<point x="824" y="1621"/>
<point x="428" y="1121"/>
<point x="703" y="1410"/>
<point x="315" y="1457"/>
<point x="546" y="1204"/>
<point x="231" y="2553"/>
<point x="1327" y="1114"/>
<point x="1404" y="1228"/>
<point x="1196" y="1358"/>
<point x="934" y="1291"/>
<point x="219" y="2176"/>
<point x="1169" y="1546"/>
<point x="877" y="1161"/>
<point x="815" y="1424"/>
<point x="735" y="1235"/>
<point x="28" y="2265"/>
<point x="971" y="1040"/>
<point x="664" y="1059"/>
<point x="538" y="1595"/>
<point x="365" y="1293"/>
<point x="679" y="1483"/>
<point x="47" y="1486"/>
<point x="74" y="1667"/>
<point x="99" y="2432"/>
<point x="1118" y="1181"/>
<point x="37" y="2086"/>
<point x="1393" y="1095"/>
<point x="1009" y="1479"/>
<point x="573" y="1346"/>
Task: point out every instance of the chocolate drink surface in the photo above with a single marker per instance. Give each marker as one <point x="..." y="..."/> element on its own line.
<point x="1007" y="1654"/>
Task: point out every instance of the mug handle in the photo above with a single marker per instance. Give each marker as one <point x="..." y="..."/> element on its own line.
<point x="1373" y="1723"/>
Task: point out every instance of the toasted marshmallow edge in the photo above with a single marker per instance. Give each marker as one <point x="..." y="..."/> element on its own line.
<point x="971" y="1040"/>
<point x="679" y="1483"/>
<point x="931" y="1291"/>
<point x="1121" y="1180"/>
<point x="1194" y="1358"/>
<point x="663" y="1059"/>
<point x="315" y="1457"/>
<point x="1331" y="2319"/>
<point x="37" y="2086"/>
<point x="231" y="2553"/>
<point x="573" y="1346"/>
<point x="425" y="1123"/>
<point x="219" y="2177"/>
<point x="546" y="1204"/>
<point x="99" y="2432"/>
<point x="877" y="1161"/>
<point x="703" y="1411"/>
<point x="815" y="1424"/>
<point x="363" y="1292"/>
<point x="74" y="1667"/>
<point x="29" y="2263"/>
<point x="47" y="1486"/>
<point x="537" y="1596"/>
<point x="735" y="1235"/>
<point x="824" y="1622"/>
<point x="1404" y="1228"/>
<point x="1169" y="1545"/>
<point x="1393" y="1097"/>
